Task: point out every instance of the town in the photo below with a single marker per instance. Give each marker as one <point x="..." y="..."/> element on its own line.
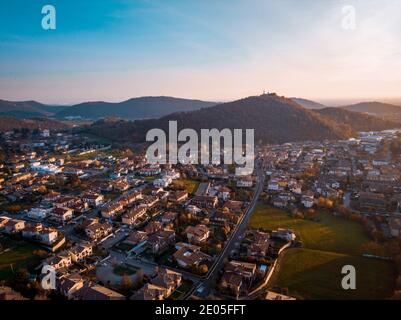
<point x="114" y="227"/>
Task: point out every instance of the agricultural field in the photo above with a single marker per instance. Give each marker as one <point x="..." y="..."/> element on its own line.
<point x="313" y="274"/>
<point x="314" y="271"/>
<point x="329" y="234"/>
<point x="15" y="255"/>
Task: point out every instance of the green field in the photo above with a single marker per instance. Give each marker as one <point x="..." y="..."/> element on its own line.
<point x="312" y="274"/>
<point x="314" y="271"/>
<point x="329" y="234"/>
<point x="19" y="255"/>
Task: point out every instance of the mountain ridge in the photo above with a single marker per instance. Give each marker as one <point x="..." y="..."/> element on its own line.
<point x="308" y="104"/>
<point x="275" y="120"/>
<point x="8" y="123"/>
<point x="133" y="108"/>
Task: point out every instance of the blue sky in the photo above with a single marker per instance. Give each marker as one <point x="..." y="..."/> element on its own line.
<point x="209" y="49"/>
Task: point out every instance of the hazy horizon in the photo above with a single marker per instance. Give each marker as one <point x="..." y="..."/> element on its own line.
<point x="326" y="102"/>
<point x="115" y="50"/>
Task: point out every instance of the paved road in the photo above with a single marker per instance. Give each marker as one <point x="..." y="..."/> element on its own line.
<point x="235" y="237"/>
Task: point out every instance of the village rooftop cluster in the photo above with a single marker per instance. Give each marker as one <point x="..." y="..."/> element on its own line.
<point x="115" y="227"/>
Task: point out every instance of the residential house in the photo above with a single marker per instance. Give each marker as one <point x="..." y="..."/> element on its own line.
<point x="372" y="202"/>
<point x="70" y="284"/>
<point x="38" y="213"/>
<point x="134" y="215"/>
<point x="150" y="292"/>
<point x="208" y="202"/>
<point x="234" y="206"/>
<point x="150" y="201"/>
<point x="245" y="181"/>
<point x="98" y="230"/>
<point x="160" y="241"/>
<point x="65" y="202"/>
<point x="48" y="236"/>
<point x="188" y="255"/>
<point x="80" y="251"/>
<point x="93" y="199"/>
<point x="112" y="210"/>
<point x="178" y="196"/>
<point x="260" y="243"/>
<point x="51" y="197"/>
<point x="39" y="233"/>
<point x="62" y="214"/>
<point x="61" y="260"/>
<point x="153" y="227"/>
<point x="224" y="193"/>
<point x="273" y="185"/>
<point x="150" y="171"/>
<point x="14" y="226"/>
<point x="136" y="237"/>
<point x="284" y="234"/>
<point x="162" y="182"/>
<point x="279" y="202"/>
<point x="91" y="291"/>
<point x="246" y="270"/>
<point x="231" y="282"/>
<point x="130" y="198"/>
<point x="225" y="215"/>
<point x="307" y="200"/>
<point x="238" y="276"/>
<point x="121" y="184"/>
<point x="168" y="279"/>
<point x="169" y="217"/>
<point x="197" y="234"/>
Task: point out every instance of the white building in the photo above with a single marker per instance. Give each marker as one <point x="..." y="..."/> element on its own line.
<point x="45" y="133"/>
<point x="38" y="213"/>
<point x="163" y="182"/>
<point x="45" y="168"/>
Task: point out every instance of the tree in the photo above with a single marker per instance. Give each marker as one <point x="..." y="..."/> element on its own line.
<point x="203" y="269"/>
<point x="325" y="203"/>
<point x="42" y="189"/>
<point x="14" y="208"/>
<point x="139" y="276"/>
<point x="226" y="230"/>
<point x="20" y="281"/>
<point x="125" y="284"/>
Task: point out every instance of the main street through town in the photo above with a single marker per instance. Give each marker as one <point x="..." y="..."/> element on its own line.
<point x="205" y="286"/>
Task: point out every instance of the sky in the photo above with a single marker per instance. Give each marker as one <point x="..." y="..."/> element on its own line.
<point x="215" y="50"/>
